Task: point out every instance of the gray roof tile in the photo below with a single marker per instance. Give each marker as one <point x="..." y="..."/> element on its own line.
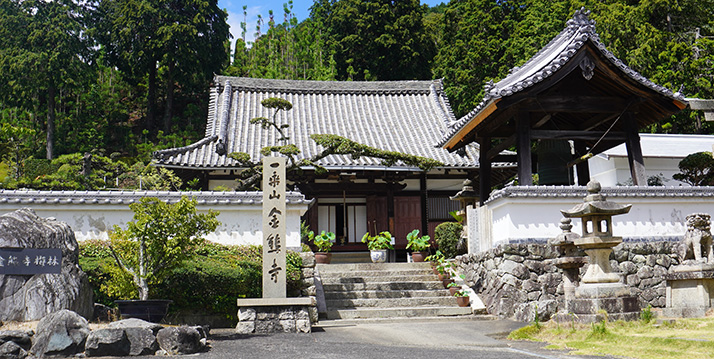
<point x="404" y="116"/>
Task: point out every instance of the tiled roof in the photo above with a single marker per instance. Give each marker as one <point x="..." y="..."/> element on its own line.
<point x="579" y="30"/>
<point x="578" y="192"/>
<point x="32" y="197"/>
<point x="404" y="116"/>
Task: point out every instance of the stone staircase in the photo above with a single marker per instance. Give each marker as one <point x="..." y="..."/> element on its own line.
<point x="385" y="290"/>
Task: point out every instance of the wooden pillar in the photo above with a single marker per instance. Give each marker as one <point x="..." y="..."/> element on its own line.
<point x="523" y="149"/>
<point x="634" y="150"/>
<point x="484" y="170"/>
<point x="424" y="213"/>
<point x="390" y="207"/>
<point x="583" y="167"/>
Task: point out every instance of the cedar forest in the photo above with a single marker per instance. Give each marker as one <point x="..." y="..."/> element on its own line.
<point x="119" y="79"/>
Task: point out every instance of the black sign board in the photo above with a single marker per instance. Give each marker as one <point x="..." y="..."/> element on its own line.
<point x="29" y="261"/>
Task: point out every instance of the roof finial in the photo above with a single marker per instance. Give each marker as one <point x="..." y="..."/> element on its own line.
<point x="581" y="20"/>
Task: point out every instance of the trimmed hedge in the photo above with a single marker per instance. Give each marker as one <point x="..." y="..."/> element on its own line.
<point x="447" y="237"/>
<point x="209" y="282"/>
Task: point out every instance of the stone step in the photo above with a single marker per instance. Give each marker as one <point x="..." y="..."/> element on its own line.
<point x="403" y="312"/>
<point x="350" y="257"/>
<point x="381" y="286"/>
<point x="367" y="294"/>
<point x="351" y="267"/>
<point x="375" y="273"/>
<point x="391" y="302"/>
<point x="380" y="279"/>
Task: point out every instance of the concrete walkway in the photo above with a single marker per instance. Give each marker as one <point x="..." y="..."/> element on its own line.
<point x="433" y="338"/>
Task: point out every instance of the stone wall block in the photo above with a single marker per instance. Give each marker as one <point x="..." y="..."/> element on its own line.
<point x="533" y="296"/>
<point x="645" y="272"/>
<point x="268" y="326"/>
<point x="633" y="280"/>
<point x="286" y="314"/>
<point x="615" y="266"/>
<point x="650" y="282"/>
<point x="664" y="260"/>
<point x="308" y="259"/>
<point x="247" y="327"/>
<point x="302" y="314"/>
<point x="314" y="315"/>
<point x="308" y="273"/>
<point x="628" y="267"/>
<point x="246" y="314"/>
<point x="531" y="285"/>
<point x="303" y="326"/>
<point x="310" y="291"/>
<point x="514" y="258"/>
<point x="266" y="315"/>
<point x="639" y="259"/>
<point x="534" y="266"/>
<point x="659" y="271"/>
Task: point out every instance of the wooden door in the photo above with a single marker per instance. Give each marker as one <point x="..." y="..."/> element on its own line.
<point x="377" y="220"/>
<point x="407" y="217"/>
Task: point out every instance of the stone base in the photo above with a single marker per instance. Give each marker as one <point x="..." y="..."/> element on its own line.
<point x="690" y="291"/>
<point x="597" y="302"/>
<point x="275" y="315"/>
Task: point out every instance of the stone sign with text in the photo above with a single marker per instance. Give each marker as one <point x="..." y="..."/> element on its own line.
<point x="274" y="231"/>
<point x="30" y="261"/>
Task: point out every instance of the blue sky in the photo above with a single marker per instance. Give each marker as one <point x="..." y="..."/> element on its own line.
<point x="301" y="9"/>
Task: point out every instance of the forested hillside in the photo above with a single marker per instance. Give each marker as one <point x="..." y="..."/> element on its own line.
<point x="121" y="78"/>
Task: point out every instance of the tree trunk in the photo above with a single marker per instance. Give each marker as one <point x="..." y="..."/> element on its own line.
<point x="51" y="120"/>
<point x="168" y="114"/>
<point x="151" y="98"/>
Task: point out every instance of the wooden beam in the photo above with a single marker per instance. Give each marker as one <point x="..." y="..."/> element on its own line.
<point x="484" y="171"/>
<point x="423" y="202"/>
<point x="579" y="104"/>
<point x="597" y="120"/>
<point x="575" y="135"/>
<point x="496" y="150"/>
<point x="523" y="149"/>
<point x="460" y="135"/>
<point x="634" y="150"/>
<point x="542" y="121"/>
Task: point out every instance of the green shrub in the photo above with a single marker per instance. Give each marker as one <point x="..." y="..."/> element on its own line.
<point x="447" y="237"/>
<point x="209" y="282"/>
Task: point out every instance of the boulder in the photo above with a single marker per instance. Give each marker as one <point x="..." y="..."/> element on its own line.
<point x="62" y="333"/>
<point x="10" y="350"/>
<point x="107" y="342"/>
<point x="19" y="337"/>
<point x="141" y="335"/>
<point x="103" y="313"/>
<point x="179" y="340"/>
<point x="31" y="297"/>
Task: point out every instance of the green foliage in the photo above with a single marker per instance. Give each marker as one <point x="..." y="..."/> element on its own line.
<point x="324" y="241"/>
<point x="697" y="169"/>
<point x="525" y="333"/>
<point x="158" y="238"/>
<point x="376" y="40"/>
<point x="461" y="293"/>
<point x="208" y="282"/>
<point x="447" y="236"/>
<point x="646" y="314"/>
<point x="382" y="240"/>
<point x="417" y="243"/>
<point x="599" y="329"/>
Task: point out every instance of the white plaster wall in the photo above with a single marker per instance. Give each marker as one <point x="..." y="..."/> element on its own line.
<point x="516" y="219"/>
<point x="240" y="224"/>
<point x="615" y="170"/>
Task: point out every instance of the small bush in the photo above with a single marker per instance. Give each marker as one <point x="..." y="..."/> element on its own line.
<point x="447" y="237"/>
<point x="209" y="282"/>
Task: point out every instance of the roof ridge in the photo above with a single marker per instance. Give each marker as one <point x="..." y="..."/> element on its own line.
<point x="313" y="86"/>
<point x="164" y="154"/>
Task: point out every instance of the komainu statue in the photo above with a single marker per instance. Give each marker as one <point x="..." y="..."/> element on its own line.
<point x="698" y="238"/>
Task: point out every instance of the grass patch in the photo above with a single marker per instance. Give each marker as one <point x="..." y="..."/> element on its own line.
<point x="684" y="338"/>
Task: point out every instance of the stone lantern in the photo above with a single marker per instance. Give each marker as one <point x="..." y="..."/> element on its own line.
<point x="597" y="240"/>
<point x="467" y="196"/>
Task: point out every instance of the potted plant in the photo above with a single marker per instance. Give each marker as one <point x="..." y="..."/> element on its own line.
<point x="462" y="298"/>
<point x="323" y="242"/>
<point x="435" y="259"/>
<point x="155" y="242"/>
<point x="378" y="245"/>
<point x="418" y="245"/>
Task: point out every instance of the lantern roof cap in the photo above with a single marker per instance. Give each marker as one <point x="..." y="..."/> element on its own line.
<point x="595" y="203"/>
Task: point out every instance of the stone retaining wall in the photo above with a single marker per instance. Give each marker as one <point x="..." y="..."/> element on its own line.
<point x="516" y="280"/>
